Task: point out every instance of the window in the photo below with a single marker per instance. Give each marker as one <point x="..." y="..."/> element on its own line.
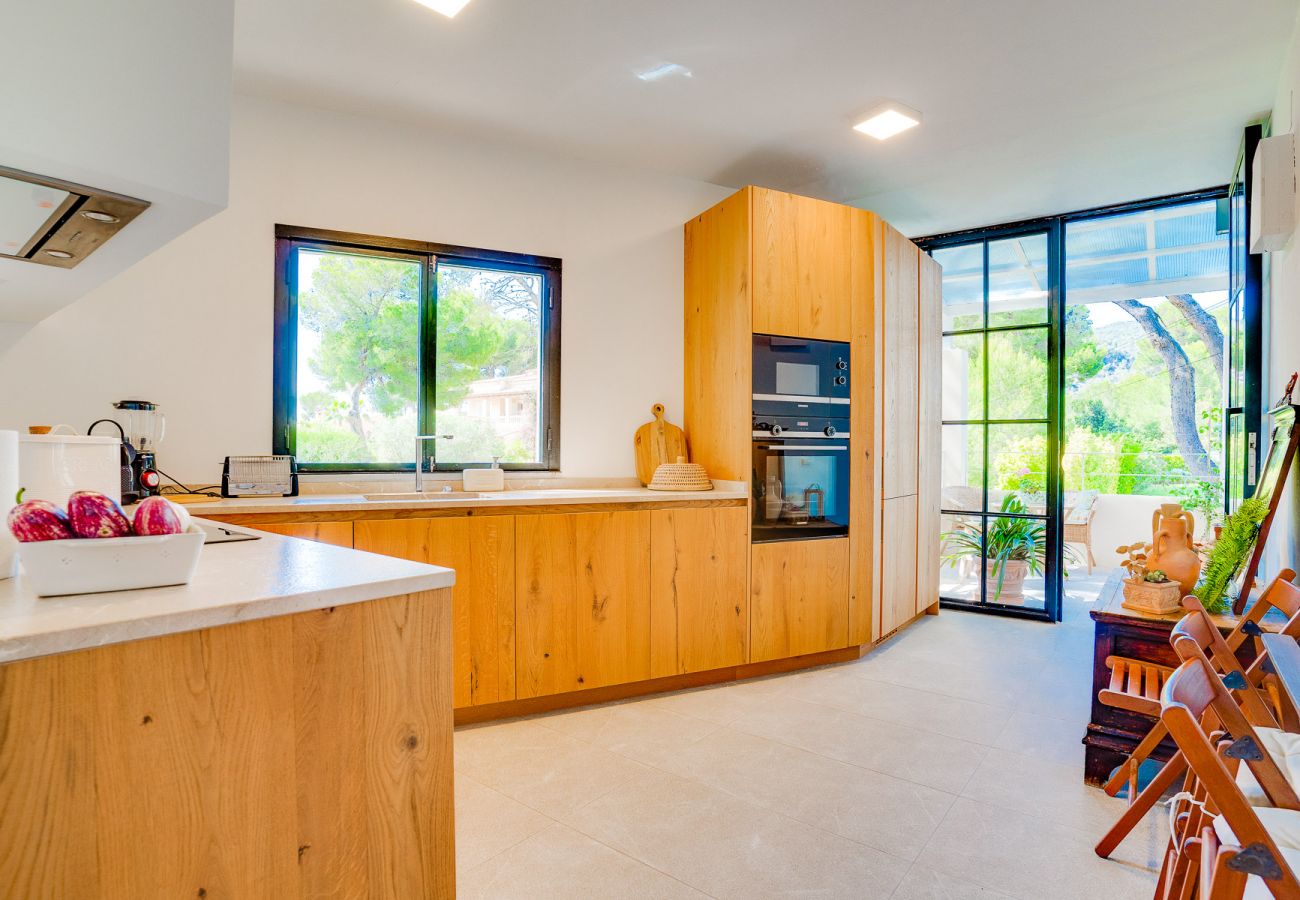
<point x="380" y="340"/>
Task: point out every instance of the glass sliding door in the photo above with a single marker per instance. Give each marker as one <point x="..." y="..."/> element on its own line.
<point x="1001" y="389"/>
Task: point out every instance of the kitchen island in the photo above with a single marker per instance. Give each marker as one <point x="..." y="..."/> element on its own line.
<point x="281" y="726"/>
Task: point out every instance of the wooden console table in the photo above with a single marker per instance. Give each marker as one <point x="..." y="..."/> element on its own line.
<point x="1113" y="733"/>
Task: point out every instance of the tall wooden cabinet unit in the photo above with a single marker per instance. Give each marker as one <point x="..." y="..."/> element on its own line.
<point x="767" y="262"/>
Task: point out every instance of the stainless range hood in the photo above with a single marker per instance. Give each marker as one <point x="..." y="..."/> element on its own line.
<point x="57" y="223"/>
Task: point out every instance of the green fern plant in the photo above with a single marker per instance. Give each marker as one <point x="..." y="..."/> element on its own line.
<point x="1229" y="552"/>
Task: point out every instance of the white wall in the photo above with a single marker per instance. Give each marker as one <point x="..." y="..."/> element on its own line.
<point x="130" y="96"/>
<point x="190" y="327"/>
<point x="1282" y="324"/>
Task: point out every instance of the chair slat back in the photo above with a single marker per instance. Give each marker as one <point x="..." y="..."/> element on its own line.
<point x="1195" y="636"/>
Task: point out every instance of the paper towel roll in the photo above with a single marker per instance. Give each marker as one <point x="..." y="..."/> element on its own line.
<point x="8" y="488"/>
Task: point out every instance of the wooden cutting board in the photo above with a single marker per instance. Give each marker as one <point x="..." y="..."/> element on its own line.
<point x="656" y="443"/>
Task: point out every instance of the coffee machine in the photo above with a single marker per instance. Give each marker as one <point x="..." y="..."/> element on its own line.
<point x="141" y="427"/>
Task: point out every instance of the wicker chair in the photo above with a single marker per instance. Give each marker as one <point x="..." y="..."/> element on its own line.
<point x="1077" y="529"/>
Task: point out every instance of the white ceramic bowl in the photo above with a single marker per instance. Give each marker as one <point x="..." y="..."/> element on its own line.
<point x="96" y="565"/>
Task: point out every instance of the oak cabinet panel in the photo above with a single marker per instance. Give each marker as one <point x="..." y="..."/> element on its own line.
<point x="337" y="533"/>
<point x="801" y="262"/>
<point x="928" y="493"/>
<point x="582" y="601"/>
<point x="900" y="369"/>
<point x="699" y="559"/>
<point x="898" y="563"/>
<point x="799" y="598"/>
<point x="482" y="551"/>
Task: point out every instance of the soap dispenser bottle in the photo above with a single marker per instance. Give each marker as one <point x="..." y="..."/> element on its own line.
<point x="493" y="479"/>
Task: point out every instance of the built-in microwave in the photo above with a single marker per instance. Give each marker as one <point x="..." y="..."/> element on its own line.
<point x="800" y="377"/>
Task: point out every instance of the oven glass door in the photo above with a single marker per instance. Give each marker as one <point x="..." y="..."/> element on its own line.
<point x="801" y="488"/>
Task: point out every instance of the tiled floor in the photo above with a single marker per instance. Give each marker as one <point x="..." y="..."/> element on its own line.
<point x="946" y="764"/>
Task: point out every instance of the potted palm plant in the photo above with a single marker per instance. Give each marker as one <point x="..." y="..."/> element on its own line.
<point x="1015" y="548"/>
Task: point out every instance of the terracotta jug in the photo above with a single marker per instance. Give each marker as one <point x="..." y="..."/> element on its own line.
<point x="1172" y="548"/>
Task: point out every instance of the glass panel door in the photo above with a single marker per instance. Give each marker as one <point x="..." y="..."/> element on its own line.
<point x="1000" y="401"/>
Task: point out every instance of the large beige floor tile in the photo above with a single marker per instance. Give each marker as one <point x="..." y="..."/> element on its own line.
<point x="561" y="864"/>
<point x="538" y="766"/>
<point x="920" y="756"/>
<point x="729" y="848"/>
<point x="488" y="822"/>
<point x="721" y="705"/>
<point x="1028" y="857"/>
<point x="878" y="810"/>
<point x="1044" y="737"/>
<point x="902" y="705"/>
<point x="996" y="680"/>
<point x="926" y="884"/>
<point x="1040" y="787"/>
<point x="640" y="731"/>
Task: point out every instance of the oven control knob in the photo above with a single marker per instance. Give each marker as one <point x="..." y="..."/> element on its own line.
<point x="777" y="429"/>
<point x="841" y="380"/>
<point x="829" y="431"/>
<point x="762" y="426"/>
<point x="841" y="364"/>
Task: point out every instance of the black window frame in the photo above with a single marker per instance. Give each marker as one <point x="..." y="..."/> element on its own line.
<point x="290" y="238"/>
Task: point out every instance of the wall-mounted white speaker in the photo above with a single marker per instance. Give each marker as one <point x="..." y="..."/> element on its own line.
<point x="1272" y="214"/>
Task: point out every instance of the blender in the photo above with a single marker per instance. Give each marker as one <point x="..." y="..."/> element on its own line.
<point x="142" y="427"/>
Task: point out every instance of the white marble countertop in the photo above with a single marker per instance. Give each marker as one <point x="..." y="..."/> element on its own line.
<point x="235" y="582"/>
<point x="355" y="502"/>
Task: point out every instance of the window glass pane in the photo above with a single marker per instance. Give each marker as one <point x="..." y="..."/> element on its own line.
<point x="963" y="377"/>
<point x="1018" y="374"/>
<point x="963" y="467"/>
<point x="489" y="364"/>
<point x="1018" y="281"/>
<point x="1015" y="553"/>
<point x="1018" y="466"/>
<point x="358" y="360"/>
<point x="963" y="286"/>
<point x="961" y="558"/>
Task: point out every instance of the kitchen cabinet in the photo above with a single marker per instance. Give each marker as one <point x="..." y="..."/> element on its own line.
<point x="582" y="600"/>
<point x="337" y="533"/>
<point x="482" y="551"/>
<point x="930" y="428"/>
<point x="699" y="561"/>
<point x="866" y="424"/>
<point x="801" y="261"/>
<point x="898" y="594"/>
<point x="900" y="374"/>
<point x="799" y="598"/>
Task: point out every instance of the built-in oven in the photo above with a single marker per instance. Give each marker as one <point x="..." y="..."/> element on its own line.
<point x="801" y="477"/>
<point x="800" y="377"/>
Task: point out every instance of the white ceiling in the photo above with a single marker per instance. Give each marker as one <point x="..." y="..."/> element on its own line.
<point x="1031" y="106"/>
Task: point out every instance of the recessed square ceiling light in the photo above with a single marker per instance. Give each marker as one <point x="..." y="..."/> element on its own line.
<point x="887" y="120"/>
<point x="448" y="8"/>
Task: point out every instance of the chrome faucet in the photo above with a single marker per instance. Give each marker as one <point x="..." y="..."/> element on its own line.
<point x="419" y="456"/>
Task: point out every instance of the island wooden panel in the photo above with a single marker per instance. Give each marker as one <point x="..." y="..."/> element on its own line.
<point x="802" y="261"/>
<point x="699" y="566"/>
<point x="929" y="433"/>
<point x="799" y="598"/>
<point x="337" y="533"/>
<point x="898" y="603"/>
<point x="306" y="755"/>
<point x="719" y="339"/>
<point x="866" y="426"/>
<point x="582" y="601"/>
<point x="900" y="365"/>
<point x="482" y="551"/>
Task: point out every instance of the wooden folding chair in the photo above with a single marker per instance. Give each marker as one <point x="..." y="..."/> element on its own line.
<point x="1219" y="840"/>
<point x="1200" y="637"/>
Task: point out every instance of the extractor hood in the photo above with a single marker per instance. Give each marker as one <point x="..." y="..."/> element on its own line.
<point x="57" y="223"/>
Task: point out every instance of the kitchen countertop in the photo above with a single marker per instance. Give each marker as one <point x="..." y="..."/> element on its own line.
<point x="355" y="502"/>
<point x="235" y="582"/>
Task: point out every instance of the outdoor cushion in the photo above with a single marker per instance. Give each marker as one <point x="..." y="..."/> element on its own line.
<point x="1284" y="747"/>
<point x="1283" y="826"/>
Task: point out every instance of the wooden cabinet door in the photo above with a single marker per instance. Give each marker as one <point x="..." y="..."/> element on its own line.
<point x="699" y="559"/>
<point x="337" y="533"/>
<point x="582" y="601"/>
<point x="900" y="366"/>
<point x="898" y="563"/>
<point x="801" y="266"/>
<point x="799" y="598"/>
<point x="928" y="488"/>
<point x="482" y="551"/>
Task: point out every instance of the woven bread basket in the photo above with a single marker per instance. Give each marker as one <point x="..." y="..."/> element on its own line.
<point x="680" y="476"/>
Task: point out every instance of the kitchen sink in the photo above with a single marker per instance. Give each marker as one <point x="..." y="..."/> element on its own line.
<point x="427" y="495"/>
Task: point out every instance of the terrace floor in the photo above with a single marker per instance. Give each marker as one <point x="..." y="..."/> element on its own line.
<point x="944" y="764"/>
